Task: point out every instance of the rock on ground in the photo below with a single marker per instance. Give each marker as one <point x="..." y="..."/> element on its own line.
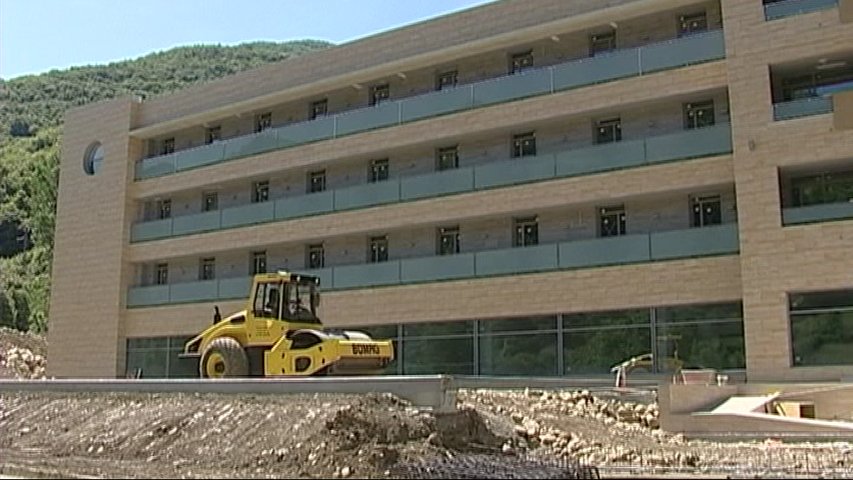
<point x="22" y="355"/>
<point x="364" y="436"/>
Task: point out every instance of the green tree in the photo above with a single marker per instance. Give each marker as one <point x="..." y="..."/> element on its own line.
<point x="31" y="110"/>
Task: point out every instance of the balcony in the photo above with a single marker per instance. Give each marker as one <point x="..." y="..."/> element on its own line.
<point x="788" y="8"/>
<point x="817" y="213"/>
<point x="643" y="60"/>
<point x="714" y="140"/>
<point x="817" y="196"/>
<point x="811" y="86"/>
<point x="803" y="107"/>
<point x="597" y="252"/>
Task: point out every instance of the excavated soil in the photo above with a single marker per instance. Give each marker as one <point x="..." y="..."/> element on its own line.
<point x="208" y="436"/>
<point x="101" y="435"/>
<point x="366" y="436"/>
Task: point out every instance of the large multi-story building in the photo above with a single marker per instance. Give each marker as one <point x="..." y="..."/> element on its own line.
<point x="523" y="188"/>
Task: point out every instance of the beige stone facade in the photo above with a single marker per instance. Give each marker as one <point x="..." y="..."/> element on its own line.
<point x="130" y="246"/>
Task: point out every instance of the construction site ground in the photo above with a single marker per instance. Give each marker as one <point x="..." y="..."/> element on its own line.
<point x="124" y="435"/>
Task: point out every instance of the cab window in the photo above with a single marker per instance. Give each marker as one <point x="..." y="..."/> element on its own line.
<point x="268" y="300"/>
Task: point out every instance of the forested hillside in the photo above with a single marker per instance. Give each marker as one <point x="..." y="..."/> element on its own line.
<point x="31" y="111"/>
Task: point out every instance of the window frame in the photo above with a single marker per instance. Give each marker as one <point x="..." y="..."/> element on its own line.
<point x="379" y="93"/>
<point x="312" y="249"/>
<point x="440" y="157"/>
<point x="521" y="61"/>
<point x="164" y="209"/>
<point x="519" y="237"/>
<point x="312" y="186"/>
<point x="440" y="84"/>
<point x="621" y="214"/>
<point x="693" y="110"/>
<point x="205" y="205"/>
<point x="256" y="258"/>
<point x="378" y="170"/>
<point x="313" y="112"/>
<point x="687" y="30"/>
<point x="377" y="249"/>
<point x="167" y="146"/>
<point x="207" y="269"/>
<point x="594" y="39"/>
<point x="263" y="121"/>
<point x="453" y="233"/>
<point x="260" y="191"/>
<point x="518" y="149"/>
<point x="699" y="202"/>
<point x="611" y="124"/>
<point x="161" y="274"/>
<point x="213" y="134"/>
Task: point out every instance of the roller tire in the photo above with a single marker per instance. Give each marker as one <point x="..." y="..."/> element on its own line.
<point x="224" y="357"/>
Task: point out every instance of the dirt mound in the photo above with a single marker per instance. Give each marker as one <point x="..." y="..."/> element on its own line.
<point x="22" y="354"/>
<point x="368" y="437"/>
<point x="618" y="434"/>
<point x="214" y="436"/>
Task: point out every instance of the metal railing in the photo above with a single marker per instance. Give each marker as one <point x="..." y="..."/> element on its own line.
<point x="787" y="8"/>
<point x="642" y="60"/>
<point x="620" y="250"/>
<point x="823" y="212"/>
<point x="802" y="107"/>
<point x="714" y="140"/>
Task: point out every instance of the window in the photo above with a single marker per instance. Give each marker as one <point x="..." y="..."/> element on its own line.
<point x="259" y="262"/>
<point x="609" y="130"/>
<point x="207" y="269"/>
<point x="611" y="221"/>
<point x="521" y="61"/>
<point x="317" y="181"/>
<point x="263" y="121"/>
<point x="378" y="170"/>
<point x="602" y="43"/>
<point x="827" y="187"/>
<point x="214" y="134"/>
<point x="267" y="300"/>
<point x="821" y="328"/>
<point x="164" y="209"/>
<point x="446" y="158"/>
<point x="690" y="24"/>
<point x="260" y="191"/>
<point x="316" y="256"/>
<point x="706" y="211"/>
<point x="162" y="277"/>
<point x="378" y="249"/>
<point x="699" y="114"/>
<point x="210" y="201"/>
<point x="523" y="145"/>
<point x="319" y="109"/>
<point x="379" y="93"/>
<point x="167" y="146"/>
<point x="93" y="158"/>
<point x="448" y="240"/>
<point x="446" y="80"/>
<point x="526" y="232"/>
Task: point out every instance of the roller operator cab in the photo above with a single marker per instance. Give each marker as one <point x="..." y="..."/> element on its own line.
<point x="279" y="333"/>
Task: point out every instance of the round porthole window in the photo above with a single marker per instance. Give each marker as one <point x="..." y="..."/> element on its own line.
<point x="93" y="159"/>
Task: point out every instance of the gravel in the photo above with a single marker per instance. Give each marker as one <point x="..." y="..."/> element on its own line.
<point x="360" y="436"/>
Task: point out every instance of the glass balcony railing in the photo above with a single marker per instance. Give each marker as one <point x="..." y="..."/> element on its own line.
<point x="787" y="8"/>
<point x="823" y="212"/>
<point x="714" y="140"/>
<point x="675" y="53"/>
<point x="802" y="107"/>
<point x="623" y="250"/>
